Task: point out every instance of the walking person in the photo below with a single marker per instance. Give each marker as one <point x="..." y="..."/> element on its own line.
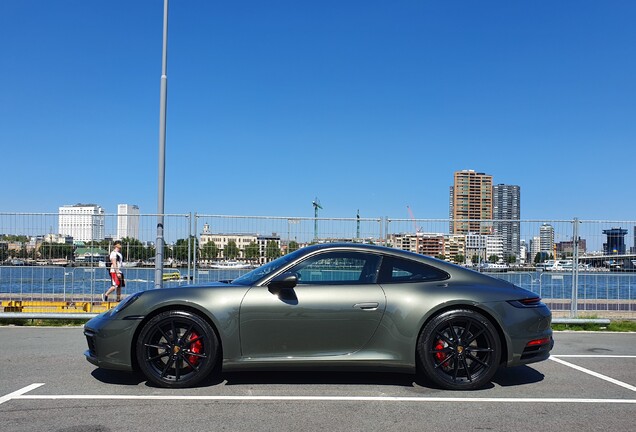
<point x="116" y="275"/>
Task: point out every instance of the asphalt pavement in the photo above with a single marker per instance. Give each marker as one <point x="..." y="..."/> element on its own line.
<point x="46" y="385"/>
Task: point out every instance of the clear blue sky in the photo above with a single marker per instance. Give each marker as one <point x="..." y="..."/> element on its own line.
<point x="368" y="105"/>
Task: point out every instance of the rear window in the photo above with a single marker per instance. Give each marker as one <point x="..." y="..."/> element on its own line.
<point x="396" y="270"/>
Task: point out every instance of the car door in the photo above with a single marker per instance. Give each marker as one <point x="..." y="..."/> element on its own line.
<point x="334" y="309"/>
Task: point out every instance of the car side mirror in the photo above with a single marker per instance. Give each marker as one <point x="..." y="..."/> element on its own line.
<point x="282" y="282"/>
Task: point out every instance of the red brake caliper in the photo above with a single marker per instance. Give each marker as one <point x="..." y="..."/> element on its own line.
<point x="439" y="355"/>
<point x="196" y="348"/>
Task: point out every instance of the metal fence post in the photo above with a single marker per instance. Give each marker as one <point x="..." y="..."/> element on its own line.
<point x="575" y="268"/>
<point x="194" y="252"/>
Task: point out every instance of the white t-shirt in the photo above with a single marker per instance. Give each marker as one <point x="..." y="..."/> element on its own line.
<point x="118" y="259"/>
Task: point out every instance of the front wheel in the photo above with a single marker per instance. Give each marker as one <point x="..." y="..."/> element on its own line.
<point x="176" y="349"/>
<point x="459" y="350"/>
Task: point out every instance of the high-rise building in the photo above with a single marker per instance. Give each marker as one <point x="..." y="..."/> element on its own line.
<point x="471" y="203"/>
<point x="615" y="244"/>
<point x="127" y="221"/>
<point x="83" y="222"/>
<point x="546" y="236"/>
<point x="506" y="214"/>
<point x="535" y="248"/>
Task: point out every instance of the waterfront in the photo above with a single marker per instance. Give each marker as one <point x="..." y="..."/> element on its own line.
<point x="604" y="291"/>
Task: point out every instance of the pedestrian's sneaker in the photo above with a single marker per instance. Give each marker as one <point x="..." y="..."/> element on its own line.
<point x="104" y="297"/>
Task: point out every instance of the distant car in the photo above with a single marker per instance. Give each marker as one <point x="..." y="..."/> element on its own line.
<point x="332" y="306"/>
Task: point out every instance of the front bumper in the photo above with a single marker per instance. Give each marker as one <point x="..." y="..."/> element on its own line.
<point x="110" y="342"/>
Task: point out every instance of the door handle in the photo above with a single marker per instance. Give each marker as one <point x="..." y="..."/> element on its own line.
<point x="366" y="306"/>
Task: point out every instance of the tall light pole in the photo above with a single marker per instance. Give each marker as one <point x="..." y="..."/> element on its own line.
<point x="162" y="152"/>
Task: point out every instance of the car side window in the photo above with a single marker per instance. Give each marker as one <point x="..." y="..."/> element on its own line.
<point x="338" y="268"/>
<point x="396" y="270"/>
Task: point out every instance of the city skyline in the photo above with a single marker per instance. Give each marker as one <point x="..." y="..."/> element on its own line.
<point x="371" y="108"/>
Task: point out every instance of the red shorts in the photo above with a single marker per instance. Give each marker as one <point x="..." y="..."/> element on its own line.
<point x="118" y="280"/>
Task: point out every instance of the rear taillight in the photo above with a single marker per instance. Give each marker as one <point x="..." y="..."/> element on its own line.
<point x="529" y="302"/>
<point x="538" y="342"/>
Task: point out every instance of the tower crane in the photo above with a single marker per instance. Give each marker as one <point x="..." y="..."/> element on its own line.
<point x="417" y="231"/>
<point x="316" y="204"/>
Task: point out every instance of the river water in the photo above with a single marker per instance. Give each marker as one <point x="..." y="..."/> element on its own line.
<point x="77" y="283"/>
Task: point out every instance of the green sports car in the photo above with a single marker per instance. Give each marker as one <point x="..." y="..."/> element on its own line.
<point x="331" y="306"/>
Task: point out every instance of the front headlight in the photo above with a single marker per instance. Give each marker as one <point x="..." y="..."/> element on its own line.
<point x="125" y="303"/>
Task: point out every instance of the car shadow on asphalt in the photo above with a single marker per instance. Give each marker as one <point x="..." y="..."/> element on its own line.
<point x="517" y="376"/>
<point x="118" y="377"/>
<point x="505" y="377"/>
<point x="324" y="377"/>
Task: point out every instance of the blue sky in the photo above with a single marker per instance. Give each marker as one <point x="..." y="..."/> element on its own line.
<point x="368" y="105"/>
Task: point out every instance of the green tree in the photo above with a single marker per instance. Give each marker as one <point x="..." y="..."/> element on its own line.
<point x="181" y="248"/>
<point x="56" y="250"/>
<point x="252" y="251"/>
<point x="132" y="249"/>
<point x="475" y="259"/>
<point x="459" y="259"/>
<point x="209" y="250"/>
<point x="149" y="252"/>
<point x="272" y="251"/>
<point x="293" y="245"/>
<point x="511" y="259"/>
<point x="493" y="258"/>
<point x="231" y="251"/>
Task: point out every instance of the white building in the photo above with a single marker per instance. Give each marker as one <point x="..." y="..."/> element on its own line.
<point x="221" y="241"/>
<point x="535" y="247"/>
<point x="546" y="234"/>
<point x="83" y="222"/>
<point x="495" y="246"/>
<point x="127" y="221"/>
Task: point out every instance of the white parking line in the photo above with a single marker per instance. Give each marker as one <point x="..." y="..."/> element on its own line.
<point x="594" y="374"/>
<point x="591" y="356"/>
<point x="19" y="393"/>
<point x="327" y="398"/>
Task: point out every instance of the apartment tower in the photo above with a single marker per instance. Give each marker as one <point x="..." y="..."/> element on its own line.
<point x="127" y="221"/>
<point x="471" y="203"/>
<point x="506" y="212"/>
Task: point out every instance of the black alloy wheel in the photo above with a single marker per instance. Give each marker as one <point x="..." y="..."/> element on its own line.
<point x="459" y="350"/>
<point x="177" y="349"/>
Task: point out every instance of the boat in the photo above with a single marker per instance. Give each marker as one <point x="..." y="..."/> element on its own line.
<point x="561" y="265"/>
<point x="230" y="265"/>
<point x="495" y="267"/>
<point x="171" y="276"/>
<point x="125" y="264"/>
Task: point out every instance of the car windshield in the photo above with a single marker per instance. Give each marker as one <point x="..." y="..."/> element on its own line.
<point x="255" y="275"/>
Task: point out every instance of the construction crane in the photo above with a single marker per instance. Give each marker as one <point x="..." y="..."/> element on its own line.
<point x="316" y="204"/>
<point x="412" y="216"/>
<point x="417" y="231"/>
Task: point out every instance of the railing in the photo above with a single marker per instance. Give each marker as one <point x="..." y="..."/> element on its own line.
<point x="591" y="287"/>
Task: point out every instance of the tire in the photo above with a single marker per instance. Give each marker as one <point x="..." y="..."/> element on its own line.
<point x="177" y="349"/>
<point x="459" y="350"/>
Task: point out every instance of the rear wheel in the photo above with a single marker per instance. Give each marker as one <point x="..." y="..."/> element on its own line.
<point x="459" y="350"/>
<point x="176" y="349"/>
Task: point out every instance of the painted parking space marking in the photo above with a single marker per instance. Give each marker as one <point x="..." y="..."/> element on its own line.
<point x="22" y="395"/>
<point x="16" y="394"/>
<point x="594" y="374"/>
<point x="326" y="398"/>
<point x="593" y="356"/>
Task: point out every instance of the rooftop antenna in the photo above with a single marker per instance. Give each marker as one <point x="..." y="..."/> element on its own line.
<point x="316" y="204"/>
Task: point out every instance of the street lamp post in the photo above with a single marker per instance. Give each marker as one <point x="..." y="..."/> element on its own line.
<point x="162" y="152"/>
